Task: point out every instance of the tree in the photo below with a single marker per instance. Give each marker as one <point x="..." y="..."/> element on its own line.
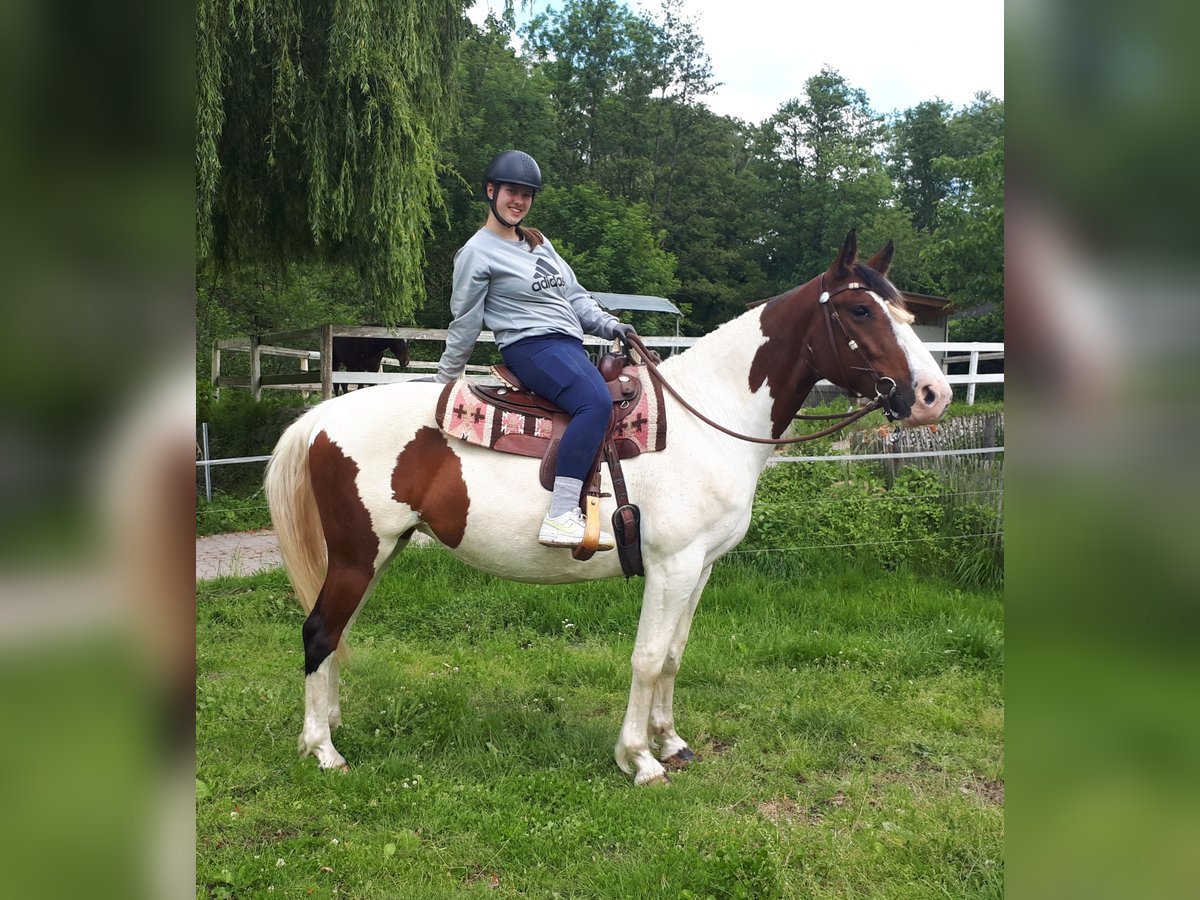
<point x="504" y="104"/>
<point x="820" y="153"/>
<point x="318" y="128"/>
<point x="966" y="255"/>
<point x="919" y="137"/>
<point x="610" y="244"/>
<point x="598" y="59"/>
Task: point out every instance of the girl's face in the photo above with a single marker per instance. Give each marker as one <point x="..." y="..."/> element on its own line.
<point x="513" y="200"/>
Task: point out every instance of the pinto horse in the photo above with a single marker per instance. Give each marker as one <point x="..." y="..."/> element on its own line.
<point x="353" y="479"/>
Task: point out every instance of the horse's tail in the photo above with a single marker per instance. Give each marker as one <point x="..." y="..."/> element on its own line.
<point x="289" y="491"/>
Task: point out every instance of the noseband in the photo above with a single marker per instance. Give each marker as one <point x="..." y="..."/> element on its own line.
<point x="886" y="401"/>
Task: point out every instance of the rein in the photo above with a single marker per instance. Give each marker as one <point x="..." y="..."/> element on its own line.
<point x="880" y="401"/>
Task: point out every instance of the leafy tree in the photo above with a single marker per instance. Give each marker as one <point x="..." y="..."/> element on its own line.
<point x="318" y="128"/>
<point x="611" y="244"/>
<point x="966" y="256"/>
<point x="919" y="137"/>
<point x="600" y="61"/>
<point x="820" y="153"/>
<point x="504" y="104"/>
<point x="684" y="78"/>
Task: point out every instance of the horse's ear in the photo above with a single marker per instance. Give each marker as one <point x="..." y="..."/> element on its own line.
<point x="845" y="259"/>
<point x="882" y="261"/>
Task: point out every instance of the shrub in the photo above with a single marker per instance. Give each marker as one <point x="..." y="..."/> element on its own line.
<point x="829" y="514"/>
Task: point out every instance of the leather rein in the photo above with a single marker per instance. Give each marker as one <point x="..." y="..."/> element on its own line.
<point x="880" y="401"/>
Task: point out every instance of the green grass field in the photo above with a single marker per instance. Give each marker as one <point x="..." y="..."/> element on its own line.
<point x="849" y="730"/>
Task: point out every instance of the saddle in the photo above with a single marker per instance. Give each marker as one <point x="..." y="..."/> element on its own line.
<point x="510" y="418"/>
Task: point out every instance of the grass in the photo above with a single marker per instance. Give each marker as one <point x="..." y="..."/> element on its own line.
<point x="849" y="728"/>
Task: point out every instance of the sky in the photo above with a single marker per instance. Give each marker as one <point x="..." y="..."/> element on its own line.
<point x="900" y="54"/>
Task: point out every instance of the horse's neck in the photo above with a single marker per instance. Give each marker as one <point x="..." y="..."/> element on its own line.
<point x="714" y="376"/>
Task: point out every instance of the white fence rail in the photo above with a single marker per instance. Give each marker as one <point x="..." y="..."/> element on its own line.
<point x="323" y="377"/>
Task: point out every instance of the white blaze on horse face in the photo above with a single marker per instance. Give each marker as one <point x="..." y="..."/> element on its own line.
<point x="932" y="392"/>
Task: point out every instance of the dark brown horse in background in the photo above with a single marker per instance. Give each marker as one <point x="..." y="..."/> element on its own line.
<point x="365" y="354"/>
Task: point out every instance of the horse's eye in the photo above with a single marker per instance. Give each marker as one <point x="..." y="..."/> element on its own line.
<point x="860" y="311"/>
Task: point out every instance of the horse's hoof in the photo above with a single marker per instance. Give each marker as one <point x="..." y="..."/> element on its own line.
<point x="660" y="778"/>
<point x="680" y="760"/>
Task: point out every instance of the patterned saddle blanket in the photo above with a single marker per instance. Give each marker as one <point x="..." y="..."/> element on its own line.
<point x="509" y="419"/>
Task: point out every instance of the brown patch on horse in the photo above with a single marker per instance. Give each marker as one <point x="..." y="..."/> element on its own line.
<point x="352" y="545"/>
<point x="778" y="361"/>
<point x="428" y="477"/>
<point x="349" y="535"/>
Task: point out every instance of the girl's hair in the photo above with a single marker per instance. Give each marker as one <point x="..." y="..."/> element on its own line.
<point x="532" y="235"/>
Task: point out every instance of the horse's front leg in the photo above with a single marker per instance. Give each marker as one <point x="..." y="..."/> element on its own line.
<point x="335" y="692"/>
<point x="664" y="603"/>
<point x="672" y="749"/>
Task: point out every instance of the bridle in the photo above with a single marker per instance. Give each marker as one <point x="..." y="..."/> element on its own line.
<point x="886" y="400"/>
<point x="880" y="401"/>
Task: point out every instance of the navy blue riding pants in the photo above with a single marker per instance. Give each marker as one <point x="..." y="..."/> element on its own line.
<point x="556" y="367"/>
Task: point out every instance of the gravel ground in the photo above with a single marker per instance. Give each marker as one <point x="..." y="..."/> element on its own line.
<point x="241" y="553"/>
<point x="247" y="552"/>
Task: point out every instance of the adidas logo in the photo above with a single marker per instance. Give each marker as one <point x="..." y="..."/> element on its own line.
<point x="545" y="276"/>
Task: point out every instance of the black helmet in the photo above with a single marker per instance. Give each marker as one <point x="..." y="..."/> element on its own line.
<point x="513" y="167"/>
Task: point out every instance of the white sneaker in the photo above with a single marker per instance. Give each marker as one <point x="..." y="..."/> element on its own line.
<point x="566" y="530"/>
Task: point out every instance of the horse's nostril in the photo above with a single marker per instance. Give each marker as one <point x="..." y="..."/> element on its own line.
<point x="929" y="396"/>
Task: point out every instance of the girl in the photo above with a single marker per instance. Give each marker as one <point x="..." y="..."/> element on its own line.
<point x="509" y="279"/>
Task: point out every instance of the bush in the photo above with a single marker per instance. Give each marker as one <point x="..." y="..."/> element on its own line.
<point x="240" y="426"/>
<point x="829" y="514"/>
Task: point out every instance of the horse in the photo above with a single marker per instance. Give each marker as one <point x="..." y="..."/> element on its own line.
<point x="365" y="354"/>
<point x="354" y="478"/>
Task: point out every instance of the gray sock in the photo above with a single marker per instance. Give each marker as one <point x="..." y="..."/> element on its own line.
<point x="566" y="495"/>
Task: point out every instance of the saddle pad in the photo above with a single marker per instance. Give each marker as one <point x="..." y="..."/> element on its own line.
<point x="469" y="418"/>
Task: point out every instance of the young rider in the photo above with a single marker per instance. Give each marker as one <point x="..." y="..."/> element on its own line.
<point x="509" y="279"/>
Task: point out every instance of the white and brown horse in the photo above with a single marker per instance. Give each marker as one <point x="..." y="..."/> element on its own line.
<point x="352" y="479"/>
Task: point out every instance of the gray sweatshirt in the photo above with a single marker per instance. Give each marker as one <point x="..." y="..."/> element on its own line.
<point x="501" y="286"/>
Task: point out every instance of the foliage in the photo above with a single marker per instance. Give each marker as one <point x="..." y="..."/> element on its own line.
<point x="609" y="244"/>
<point x="648" y="190"/>
<point x="238" y="426"/>
<point x="227" y="513"/>
<point x="819" y="154"/>
<point x="986" y="328"/>
<point x="848" y="728"/>
<point x="317" y="135"/>
<point x="829" y="512"/>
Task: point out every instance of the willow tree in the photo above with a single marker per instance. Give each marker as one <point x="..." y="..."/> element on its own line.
<point x="318" y="126"/>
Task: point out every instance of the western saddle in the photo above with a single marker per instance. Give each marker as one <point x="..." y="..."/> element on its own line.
<point x="513" y="398"/>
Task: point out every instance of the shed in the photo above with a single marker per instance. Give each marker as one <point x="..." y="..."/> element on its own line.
<point x="933" y="316"/>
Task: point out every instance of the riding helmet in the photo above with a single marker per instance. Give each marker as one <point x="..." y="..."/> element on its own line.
<point x="513" y="167"/>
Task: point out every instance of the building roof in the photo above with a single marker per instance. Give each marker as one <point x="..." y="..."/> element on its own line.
<point x="640" y="302"/>
<point x="925" y="300"/>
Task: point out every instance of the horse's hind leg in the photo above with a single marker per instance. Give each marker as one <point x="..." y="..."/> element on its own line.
<point x="343" y="591"/>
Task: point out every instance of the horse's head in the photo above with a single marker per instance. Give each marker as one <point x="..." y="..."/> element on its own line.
<point x="857" y="333"/>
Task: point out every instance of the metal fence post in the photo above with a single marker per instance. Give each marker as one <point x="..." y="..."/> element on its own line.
<point x="207" y="468"/>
